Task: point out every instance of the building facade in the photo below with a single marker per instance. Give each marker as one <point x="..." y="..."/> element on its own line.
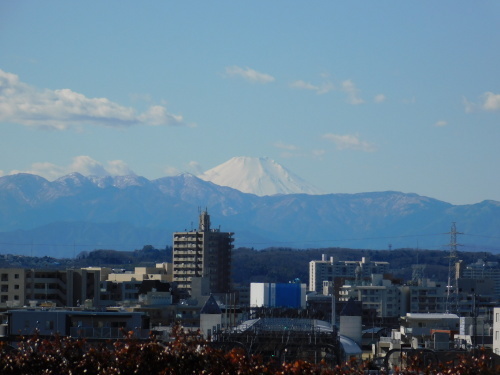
<point x="329" y="269"/>
<point x="380" y="296"/>
<point x="290" y="295"/>
<point x="204" y="253"/>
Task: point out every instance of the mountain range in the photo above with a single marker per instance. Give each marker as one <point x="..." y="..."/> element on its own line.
<point x="75" y="213"/>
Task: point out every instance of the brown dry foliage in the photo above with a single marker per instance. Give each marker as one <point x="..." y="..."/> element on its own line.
<point x="186" y="354"/>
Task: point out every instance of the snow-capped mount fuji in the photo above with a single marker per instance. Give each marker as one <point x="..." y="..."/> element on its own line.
<point x="259" y="176"/>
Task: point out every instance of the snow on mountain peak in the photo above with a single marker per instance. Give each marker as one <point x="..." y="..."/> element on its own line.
<point x="259" y="176"/>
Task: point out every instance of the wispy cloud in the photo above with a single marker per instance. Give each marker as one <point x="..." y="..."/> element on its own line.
<point x="380" y="98"/>
<point x="285" y="146"/>
<point x="23" y="104"/>
<point x="441" y="123"/>
<point x="249" y="74"/>
<point x="352" y="91"/>
<point x="171" y="171"/>
<point x="318" y="153"/>
<point x="82" y="164"/>
<point x="323" y="88"/>
<point x="349" y="142"/>
<point x="195" y="167"/>
<point x="489" y="102"/>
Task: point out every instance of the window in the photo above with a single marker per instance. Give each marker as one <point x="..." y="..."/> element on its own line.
<point x="4" y="277"/>
<point x="16" y="276"/>
<point x="16" y="286"/>
<point x="49" y="324"/>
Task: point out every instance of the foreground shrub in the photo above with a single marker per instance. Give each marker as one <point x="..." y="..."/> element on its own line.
<point x="186" y="354"/>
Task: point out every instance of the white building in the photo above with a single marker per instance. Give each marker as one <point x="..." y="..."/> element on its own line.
<point x="327" y="270"/>
<point x="496" y="330"/>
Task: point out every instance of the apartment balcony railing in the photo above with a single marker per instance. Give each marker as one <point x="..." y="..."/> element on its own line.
<point x="106" y="333"/>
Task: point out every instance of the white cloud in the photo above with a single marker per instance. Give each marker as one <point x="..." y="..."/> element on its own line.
<point x="249" y="74"/>
<point x="324" y="88"/>
<point x="83" y="164"/>
<point x="285" y="146"/>
<point x="380" y="98"/>
<point x="349" y="142"/>
<point x="23" y="104"/>
<point x="318" y="153"/>
<point x="171" y="171"/>
<point x="441" y="123"/>
<point x="469" y="106"/>
<point x="350" y="88"/>
<point x="491" y="101"/>
<point x="195" y="167"/>
<point x="118" y="168"/>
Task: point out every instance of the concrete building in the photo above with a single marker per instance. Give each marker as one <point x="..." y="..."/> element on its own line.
<point x="12" y="287"/>
<point x="85" y="324"/>
<point x="496" y="330"/>
<point x="419" y="329"/>
<point x="291" y="295"/>
<point x="350" y="321"/>
<point x="426" y="296"/>
<point x="203" y="253"/>
<point x="482" y="270"/>
<point x="379" y="295"/>
<point x="20" y="287"/>
<point x="327" y="270"/>
<point x="162" y="272"/>
<point x="92" y="286"/>
<point x="210" y="318"/>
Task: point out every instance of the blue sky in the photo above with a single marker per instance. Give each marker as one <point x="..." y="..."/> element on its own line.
<point x="351" y="96"/>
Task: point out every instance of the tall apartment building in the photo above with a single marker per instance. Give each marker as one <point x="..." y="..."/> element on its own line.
<point x="327" y="270"/>
<point x="204" y="253"/>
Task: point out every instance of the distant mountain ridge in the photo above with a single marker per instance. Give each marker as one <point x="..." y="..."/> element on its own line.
<point x="76" y="213"/>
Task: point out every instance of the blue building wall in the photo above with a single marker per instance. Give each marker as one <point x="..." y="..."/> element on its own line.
<point x="288" y="295"/>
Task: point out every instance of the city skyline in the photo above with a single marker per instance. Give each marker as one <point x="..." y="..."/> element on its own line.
<point x="352" y="97"/>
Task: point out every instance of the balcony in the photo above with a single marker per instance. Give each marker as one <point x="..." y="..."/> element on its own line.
<point x="105" y="333"/>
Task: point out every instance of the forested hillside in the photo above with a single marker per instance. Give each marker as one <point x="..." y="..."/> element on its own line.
<point x="269" y="265"/>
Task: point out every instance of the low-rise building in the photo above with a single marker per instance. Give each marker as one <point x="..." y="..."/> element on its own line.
<point x="87" y="324"/>
<point x="380" y="296"/>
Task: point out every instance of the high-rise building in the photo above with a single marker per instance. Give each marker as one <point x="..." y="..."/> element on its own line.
<point x="204" y="253"/>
